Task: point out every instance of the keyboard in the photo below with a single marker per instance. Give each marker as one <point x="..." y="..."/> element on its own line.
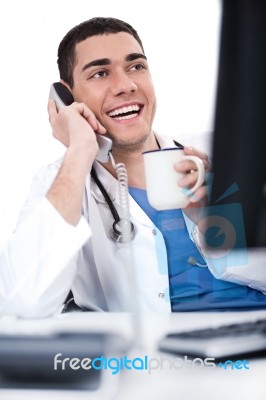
<point x="27" y="360"/>
<point x="245" y="338"/>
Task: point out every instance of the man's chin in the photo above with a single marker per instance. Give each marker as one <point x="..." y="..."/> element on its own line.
<point x="129" y="143"/>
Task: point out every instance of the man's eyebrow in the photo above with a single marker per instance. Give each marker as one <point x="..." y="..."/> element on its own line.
<point x="134" y="56"/>
<point x="107" y="61"/>
<point x="96" y="63"/>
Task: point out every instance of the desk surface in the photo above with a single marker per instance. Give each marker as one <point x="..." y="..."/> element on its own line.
<point x="167" y="382"/>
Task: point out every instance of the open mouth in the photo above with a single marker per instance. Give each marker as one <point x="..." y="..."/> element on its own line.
<point x="127" y="112"/>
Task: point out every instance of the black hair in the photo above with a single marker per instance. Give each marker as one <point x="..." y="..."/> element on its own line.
<point x="93" y="27"/>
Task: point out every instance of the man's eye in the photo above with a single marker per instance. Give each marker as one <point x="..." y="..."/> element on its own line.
<point x="138" y="67"/>
<point x="99" y="74"/>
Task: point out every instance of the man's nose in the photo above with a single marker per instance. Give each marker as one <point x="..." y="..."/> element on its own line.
<point x="122" y="83"/>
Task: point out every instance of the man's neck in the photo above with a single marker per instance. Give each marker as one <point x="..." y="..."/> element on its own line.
<point x="133" y="161"/>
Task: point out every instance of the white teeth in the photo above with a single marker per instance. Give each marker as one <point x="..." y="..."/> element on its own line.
<point x="124" y="110"/>
<point x="127" y="116"/>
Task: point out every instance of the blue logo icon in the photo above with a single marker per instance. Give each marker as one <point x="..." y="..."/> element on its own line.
<point x="222" y="231"/>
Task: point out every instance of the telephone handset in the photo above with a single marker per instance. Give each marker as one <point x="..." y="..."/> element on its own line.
<point x="63" y="97"/>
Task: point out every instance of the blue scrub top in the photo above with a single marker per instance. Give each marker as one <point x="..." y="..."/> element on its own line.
<point x="194" y="288"/>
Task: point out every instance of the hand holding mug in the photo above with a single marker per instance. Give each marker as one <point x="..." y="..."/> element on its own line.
<point x="174" y="177"/>
<point x="199" y="197"/>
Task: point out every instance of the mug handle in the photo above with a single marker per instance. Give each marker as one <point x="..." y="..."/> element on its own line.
<point x="201" y="173"/>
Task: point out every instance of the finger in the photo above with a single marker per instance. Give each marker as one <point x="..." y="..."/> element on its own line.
<point x="195" y="152"/>
<point x="199" y="196"/>
<point x="101" y="129"/>
<point x="187" y="166"/>
<point x="188" y="180"/>
<point x="52" y="110"/>
<point x="91" y="118"/>
<point x="86" y="113"/>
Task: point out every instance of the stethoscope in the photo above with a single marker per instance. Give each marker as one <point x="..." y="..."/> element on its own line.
<point x="116" y="231"/>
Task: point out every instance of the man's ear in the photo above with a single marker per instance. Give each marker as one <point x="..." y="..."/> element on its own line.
<point x="66" y="84"/>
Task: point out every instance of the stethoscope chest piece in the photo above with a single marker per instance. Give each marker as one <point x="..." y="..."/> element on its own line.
<point x="122" y="231"/>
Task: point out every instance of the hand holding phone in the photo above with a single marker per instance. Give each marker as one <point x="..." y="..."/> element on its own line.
<point x="63" y="97"/>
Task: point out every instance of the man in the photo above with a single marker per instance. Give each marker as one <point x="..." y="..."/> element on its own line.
<point x="102" y="62"/>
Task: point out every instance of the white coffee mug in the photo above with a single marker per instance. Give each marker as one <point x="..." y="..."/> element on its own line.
<point x="163" y="190"/>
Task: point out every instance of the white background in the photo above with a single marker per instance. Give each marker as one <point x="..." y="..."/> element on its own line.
<point x="180" y="37"/>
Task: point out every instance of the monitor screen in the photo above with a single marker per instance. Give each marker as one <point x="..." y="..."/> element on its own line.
<point x="239" y="146"/>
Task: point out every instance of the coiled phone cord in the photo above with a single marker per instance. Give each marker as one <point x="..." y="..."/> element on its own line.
<point x="125" y="226"/>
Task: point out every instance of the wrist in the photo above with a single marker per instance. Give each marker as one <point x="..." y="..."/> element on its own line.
<point x="82" y="151"/>
<point x="78" y="161"/>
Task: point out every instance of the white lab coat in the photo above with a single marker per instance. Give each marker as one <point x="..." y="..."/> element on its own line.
<point x="46" y="256"/>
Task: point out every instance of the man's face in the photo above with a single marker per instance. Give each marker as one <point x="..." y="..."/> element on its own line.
<point x="112" y="78"/>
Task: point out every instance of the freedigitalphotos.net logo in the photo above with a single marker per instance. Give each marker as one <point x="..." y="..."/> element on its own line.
<point x="116" y="365"/>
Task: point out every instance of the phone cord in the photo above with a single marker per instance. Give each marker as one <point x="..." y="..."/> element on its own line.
<point x="126" y="225"/>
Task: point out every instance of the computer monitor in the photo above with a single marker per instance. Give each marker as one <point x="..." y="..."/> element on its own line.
<point x="239" y="146"/>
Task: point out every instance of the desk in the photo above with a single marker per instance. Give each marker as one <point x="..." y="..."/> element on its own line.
<point x="166" y="383"/>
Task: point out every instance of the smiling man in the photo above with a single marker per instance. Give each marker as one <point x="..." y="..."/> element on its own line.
<point x="63" y="240"/>
<point x="117" y="88"/>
